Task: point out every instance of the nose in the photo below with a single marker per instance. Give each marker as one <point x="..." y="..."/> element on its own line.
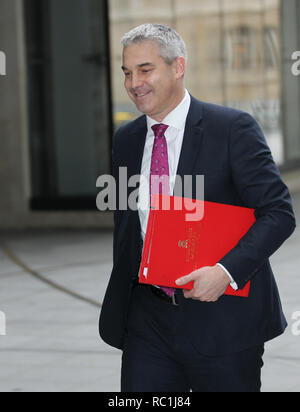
<point x="136" y="81"/>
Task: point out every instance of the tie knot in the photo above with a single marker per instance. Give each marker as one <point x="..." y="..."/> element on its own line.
<point x="159" y="130"/>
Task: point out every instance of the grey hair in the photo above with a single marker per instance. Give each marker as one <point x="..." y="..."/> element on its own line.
<point x="170" y="42"/>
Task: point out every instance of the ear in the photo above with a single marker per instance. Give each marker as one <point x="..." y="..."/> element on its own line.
<point x="180" y="67"/>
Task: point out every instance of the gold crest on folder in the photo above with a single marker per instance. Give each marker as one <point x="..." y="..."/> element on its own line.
<point x="183" y="244"/>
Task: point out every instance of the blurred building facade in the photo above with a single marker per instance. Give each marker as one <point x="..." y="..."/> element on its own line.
<point x="62" y="96"/>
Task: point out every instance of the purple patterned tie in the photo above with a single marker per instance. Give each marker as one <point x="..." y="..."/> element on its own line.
<point x="160" y="169"/>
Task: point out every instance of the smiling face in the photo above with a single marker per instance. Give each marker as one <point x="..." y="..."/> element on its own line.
<point x="154" y="86"/>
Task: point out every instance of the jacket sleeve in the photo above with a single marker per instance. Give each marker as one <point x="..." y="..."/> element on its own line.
<point x="260" y="186"/>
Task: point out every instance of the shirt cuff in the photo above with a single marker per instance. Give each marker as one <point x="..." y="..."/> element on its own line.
<point x="233" y="283"/>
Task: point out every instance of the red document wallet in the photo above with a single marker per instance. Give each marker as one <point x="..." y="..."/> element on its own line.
<point x="175" y="247"/>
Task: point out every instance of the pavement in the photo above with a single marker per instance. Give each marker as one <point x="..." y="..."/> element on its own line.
<point x="51" y="288"/>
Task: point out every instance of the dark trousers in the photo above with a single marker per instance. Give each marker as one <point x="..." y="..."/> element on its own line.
<point x="159" y="357"/>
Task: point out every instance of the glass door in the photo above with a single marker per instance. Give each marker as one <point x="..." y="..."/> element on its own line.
<point x="69" y="100"/>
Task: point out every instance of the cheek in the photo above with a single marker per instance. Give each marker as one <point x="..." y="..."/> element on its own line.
<point x="165" y="89"/>
<point x="165" y="83"/>
<point x="127" y="84"/>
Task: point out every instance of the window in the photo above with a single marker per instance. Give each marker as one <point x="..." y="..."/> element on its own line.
<point x="271" y="48"/>
<point x="241" y="49"/>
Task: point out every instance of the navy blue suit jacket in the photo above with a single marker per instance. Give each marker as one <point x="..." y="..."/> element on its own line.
<point x="227" y="147"/>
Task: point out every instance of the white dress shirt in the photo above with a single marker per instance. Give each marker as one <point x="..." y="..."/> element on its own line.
<point x="176" y="121"/>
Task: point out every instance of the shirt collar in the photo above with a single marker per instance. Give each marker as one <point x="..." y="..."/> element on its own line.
<point x="177" y="118"/>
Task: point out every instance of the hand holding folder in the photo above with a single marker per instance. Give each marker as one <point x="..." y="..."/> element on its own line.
<point x="176" y="247"/>
<point x="210" y="283"/>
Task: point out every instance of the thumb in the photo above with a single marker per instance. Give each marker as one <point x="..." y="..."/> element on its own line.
<point x="191" y="277"/>
<point x="186" y="279"/>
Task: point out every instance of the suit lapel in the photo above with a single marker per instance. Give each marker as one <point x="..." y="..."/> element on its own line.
<point x="136" y="145"/>
<point x="192" y="141"/>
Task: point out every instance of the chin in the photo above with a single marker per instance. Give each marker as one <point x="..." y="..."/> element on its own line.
<point x="145" y="110"/>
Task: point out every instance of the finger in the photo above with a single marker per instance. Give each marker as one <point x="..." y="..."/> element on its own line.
<point x="188" y="294"/>
<point x="192" y="294"/>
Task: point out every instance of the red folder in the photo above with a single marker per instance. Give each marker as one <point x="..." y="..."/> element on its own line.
<point x="176" y="246"/>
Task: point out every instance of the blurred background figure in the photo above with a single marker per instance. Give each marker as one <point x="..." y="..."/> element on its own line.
<point x="62" y="98"/>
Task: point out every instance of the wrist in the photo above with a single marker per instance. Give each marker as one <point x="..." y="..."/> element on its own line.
<point x="224" y="274"/>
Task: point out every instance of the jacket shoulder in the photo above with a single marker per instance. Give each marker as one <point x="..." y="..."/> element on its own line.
<point x="215" y="111"/>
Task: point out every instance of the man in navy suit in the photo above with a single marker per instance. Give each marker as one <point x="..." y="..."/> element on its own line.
<point x="199" y="340"/>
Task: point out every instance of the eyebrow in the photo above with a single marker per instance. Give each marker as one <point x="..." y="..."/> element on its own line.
<point x="139" y="66"/>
